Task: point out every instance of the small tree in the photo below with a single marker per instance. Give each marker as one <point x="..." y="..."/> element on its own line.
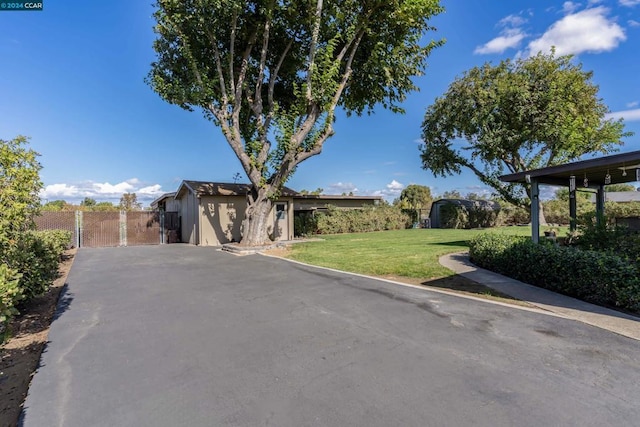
<point x="272" y="73"/>
<point x="19" y="187"/>
<point x="516" y="116"/>
<point x="129" y="202"/>
<point x="415" y="198"/>
<point x="88" y="202"/>
<point x="55" y="206"/>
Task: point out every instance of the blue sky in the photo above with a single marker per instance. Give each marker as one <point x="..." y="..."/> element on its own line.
<point x="72" y="79"/>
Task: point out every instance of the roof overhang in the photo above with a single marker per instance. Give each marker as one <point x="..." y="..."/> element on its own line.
<point x="620" y="167"/>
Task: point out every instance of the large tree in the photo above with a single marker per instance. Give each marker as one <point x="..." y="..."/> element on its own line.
<point x="270" y="74"/>
<point x="515" y="116"/>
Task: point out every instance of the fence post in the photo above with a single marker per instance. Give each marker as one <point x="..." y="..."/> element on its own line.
<point x="161" y="213"/>
<point x="79" y="229"/>
<point x="123" y="228"/>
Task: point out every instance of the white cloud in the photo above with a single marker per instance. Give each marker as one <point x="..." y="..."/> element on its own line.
<point x="343" y="187"/>
<point x="589" y="30"/>
<point x="391" y="191"/>
<point x="152" y="190"/>
<point x="633" y="23"/>
<point x="75" y="192"/>
<point x="628" y="115"/>
<point x="512" y="21"/>
<point x="629" y="3"/>
<point x="59" y="190"/>
<point x="633" y="104"/>
<point x="107" y="189"/>
<point x="570" y="7"/>
<point x="510" y="38"/>
<point x="395" y="186"/>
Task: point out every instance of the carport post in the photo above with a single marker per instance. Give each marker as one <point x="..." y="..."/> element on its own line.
<point x="535" y="211"/>
<point x="572" y="204"/>
<point x="600" y="205"/>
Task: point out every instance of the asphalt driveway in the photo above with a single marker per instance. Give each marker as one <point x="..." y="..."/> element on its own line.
<point x="180" y="335"/>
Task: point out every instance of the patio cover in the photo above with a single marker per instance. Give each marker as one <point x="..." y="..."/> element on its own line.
<point x="621" y="168"/>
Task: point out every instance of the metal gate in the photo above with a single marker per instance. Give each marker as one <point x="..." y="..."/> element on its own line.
<point x="102" y="229"/>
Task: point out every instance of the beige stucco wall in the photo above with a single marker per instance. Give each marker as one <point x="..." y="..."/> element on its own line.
<point x="221" y="219"/>
<point x="188" y="213"/>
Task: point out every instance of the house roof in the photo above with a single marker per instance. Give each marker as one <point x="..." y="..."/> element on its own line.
<point x="161" y="198"/>
<point x="622" y="196"/>
<point x="204" y="188"/>
<point x="620" y="167"/>
<point x="329" y="197"/>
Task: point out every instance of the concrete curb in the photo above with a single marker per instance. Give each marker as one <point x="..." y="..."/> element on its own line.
<point x="564" y="306"/>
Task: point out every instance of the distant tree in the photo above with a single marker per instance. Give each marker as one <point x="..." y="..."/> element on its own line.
<point x="414" y="198"/>
<point x="236" y="177"/>
<point x="613" y="188"/>
<point x="516" y="116"/>
<point x="477" y="196"/>
<point x="19" y="188"/>
<point x="88" y="202"/>
<point x="105" y="207"/>
<point x="451" y="194"/>
<point x="563" y="195"/>
<point x="272" y="73"/>
<point x="129" y="202"/>
<point x="318" y="191"/>
<point x="55" y="206"/>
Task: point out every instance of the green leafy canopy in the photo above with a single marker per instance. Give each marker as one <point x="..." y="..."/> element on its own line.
<point x="515" y="116"/>
<point x="270" y="73"/>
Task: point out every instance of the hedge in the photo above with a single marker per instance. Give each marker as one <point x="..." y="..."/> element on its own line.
<point x="368" y="218"/>
<point x="29" y="267"/>
<point x="597" y="277"/>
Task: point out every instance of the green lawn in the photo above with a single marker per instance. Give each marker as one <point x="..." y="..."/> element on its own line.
<point x="409" y="253"/>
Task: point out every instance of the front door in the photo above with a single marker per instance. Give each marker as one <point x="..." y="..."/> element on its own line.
<point x="281" y="221"/>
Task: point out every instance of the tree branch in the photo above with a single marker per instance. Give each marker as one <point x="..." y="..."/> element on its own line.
<point x="312" y="48"/>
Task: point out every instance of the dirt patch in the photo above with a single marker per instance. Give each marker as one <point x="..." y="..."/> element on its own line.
<point x="454" y="284"/>
<point x="21" y="353"/>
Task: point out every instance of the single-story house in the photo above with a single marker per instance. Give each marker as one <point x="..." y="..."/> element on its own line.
<point x="211" y="213"/>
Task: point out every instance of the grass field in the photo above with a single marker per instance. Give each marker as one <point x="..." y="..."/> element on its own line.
<point x="409" y="253"/>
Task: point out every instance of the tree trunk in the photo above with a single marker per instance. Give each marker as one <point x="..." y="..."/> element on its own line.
<point x="257" y="219"/>
<point x="541" y="218"/>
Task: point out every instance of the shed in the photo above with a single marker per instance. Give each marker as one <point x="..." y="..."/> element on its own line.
<point x="435" y="215"/>
<point x="211" y="213"/>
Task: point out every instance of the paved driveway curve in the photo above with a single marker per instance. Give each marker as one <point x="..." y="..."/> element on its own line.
<point x="180" y="335"/>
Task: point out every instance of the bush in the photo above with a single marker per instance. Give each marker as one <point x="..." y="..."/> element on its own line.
<point x="453" y="215"/>
<point x="593" y="276"/>
<point x="10" y="294"/>
<point x="369" y="218"/>
<point x="35" y="255"/>
<point x="305" y="224"/>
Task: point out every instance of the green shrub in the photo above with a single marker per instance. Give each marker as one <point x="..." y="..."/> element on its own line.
<point x="453" y="216"/>
<point x="305" y="224"/>
<point x="10" y="294"/>
<point x="35" y="255"/>
<point x="593" y="276"/>
<point x="368" y="218"/>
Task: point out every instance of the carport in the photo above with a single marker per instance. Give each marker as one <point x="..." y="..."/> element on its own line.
<point x="593" y="174"/>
